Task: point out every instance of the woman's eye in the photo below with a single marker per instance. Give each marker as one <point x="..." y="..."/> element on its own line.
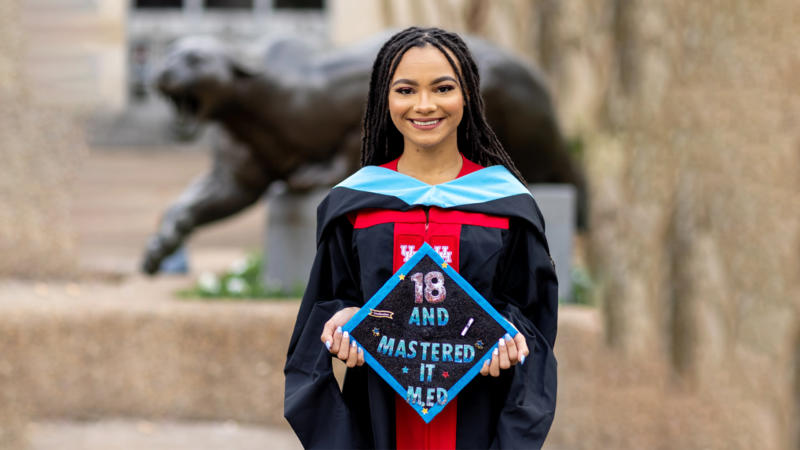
<point x="404" y="90"/>
<point x="445" y="88"/>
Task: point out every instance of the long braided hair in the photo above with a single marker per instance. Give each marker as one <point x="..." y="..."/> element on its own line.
<point x="381" y="142"/>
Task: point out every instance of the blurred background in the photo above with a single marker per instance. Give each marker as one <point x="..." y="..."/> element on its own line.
<point x="683" y="331"/>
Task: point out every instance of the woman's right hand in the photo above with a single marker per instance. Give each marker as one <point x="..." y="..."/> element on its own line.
<point x="338" y="342"/>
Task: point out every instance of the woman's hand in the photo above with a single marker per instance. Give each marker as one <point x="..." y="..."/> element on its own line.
<point x="508" y="353"/>
<point x="338" y="342"/>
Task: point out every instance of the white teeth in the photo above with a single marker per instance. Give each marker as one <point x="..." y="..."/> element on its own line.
<point x="429" y="122"/>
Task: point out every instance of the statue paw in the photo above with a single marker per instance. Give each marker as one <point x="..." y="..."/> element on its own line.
<point x="154" y="254"/>
<point x="150" y="266"/>
<point x="159" y="248"/>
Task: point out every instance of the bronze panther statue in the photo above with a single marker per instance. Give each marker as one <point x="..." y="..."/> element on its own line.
<point x="298" y="119"/>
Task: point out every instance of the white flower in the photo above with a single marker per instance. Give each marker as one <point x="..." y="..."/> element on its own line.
<point x="239" y="266"/>
<point x="236" y="285"/>
<point x="209" y="283"/>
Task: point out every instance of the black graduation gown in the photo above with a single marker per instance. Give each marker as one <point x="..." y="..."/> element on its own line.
<point x="511" y="268"/>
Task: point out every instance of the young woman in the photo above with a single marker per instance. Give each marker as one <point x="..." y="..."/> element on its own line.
<point x="433" y="172"/>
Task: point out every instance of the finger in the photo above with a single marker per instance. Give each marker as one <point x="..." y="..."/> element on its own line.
<point x="327" y="334"/>
<point x="494" y="366"/>
<point x="485" y="368"/>
<point x="503" y="354"/>
<point x="360" y="355"/>
<point x="522" y="347"/>
<point x="337" y="339"/>
<point x="352" y="358"/>
<point x="344" y="346"/>
<point x="511" y="346"/>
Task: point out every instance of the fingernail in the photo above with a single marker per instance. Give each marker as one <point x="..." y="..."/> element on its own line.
<point x="522" y="359"/>
<point x="345" y="335"/>
<point x="353" y="344"/>
<point x="328" y="345"/>
<point x="507" y="336"/>
<point x="496" y="351"/>
<point x="501" y="342"/>
<point x="360" y="349"/>
<point x="338" y="329"/>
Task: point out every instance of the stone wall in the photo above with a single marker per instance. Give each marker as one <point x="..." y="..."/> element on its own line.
<point x="693" y="156"/>
<point x="39" y="150"/>
<point x="696" y="191"/>
<point x="688" y="113"/>
<point x="12" y="421"/>
<point x="694" y="161"/>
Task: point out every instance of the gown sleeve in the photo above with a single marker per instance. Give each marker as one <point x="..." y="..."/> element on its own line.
<point x="313" y="402"/>
<point x="527" y="290"/>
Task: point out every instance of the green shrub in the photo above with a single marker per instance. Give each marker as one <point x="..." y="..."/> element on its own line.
<point x="582" y="286"/>
<point x="242" y="280"/>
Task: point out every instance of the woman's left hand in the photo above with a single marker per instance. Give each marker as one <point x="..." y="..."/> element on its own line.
<point x="508" y="353"/>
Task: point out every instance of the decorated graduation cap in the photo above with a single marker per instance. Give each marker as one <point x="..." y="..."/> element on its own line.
<point x="427" y="332"/>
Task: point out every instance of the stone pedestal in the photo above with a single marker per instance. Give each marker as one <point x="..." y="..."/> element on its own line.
<point x="557" y="203"/>
<point x="290" y="243"/>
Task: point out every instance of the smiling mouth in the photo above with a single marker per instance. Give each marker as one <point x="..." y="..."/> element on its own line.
<point x="425" y="124"/>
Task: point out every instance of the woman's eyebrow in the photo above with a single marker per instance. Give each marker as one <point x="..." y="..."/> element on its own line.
<point x="414" y="83"/>
<point x="405" y="81"/>
<point x="444" y="78"/>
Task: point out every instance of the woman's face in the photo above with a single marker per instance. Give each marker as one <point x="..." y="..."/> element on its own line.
<point x="425" y="99"/>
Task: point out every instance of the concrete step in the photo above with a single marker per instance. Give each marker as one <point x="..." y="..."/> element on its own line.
<point x="133" y="349"/>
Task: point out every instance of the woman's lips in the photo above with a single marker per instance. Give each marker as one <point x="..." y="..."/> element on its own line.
<point x="428" y="124"/>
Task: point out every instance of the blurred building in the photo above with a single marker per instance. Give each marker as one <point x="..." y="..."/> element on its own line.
<point x="95" y="57"/>
<point x="74" y="52"/>
<point x="153" y="24"/>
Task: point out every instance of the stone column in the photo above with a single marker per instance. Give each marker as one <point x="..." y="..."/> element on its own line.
<point x="557" y="203"/>
<point x="291" y="238"/>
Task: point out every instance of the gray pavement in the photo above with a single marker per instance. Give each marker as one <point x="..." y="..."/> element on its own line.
<point x="131" y="434"/>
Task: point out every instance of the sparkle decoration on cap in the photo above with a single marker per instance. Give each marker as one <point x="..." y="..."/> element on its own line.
<point x="466" y="327"/>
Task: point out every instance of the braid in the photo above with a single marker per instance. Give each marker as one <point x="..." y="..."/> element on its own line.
<point x="378" y="130"/>
<point x="381" y="142"/>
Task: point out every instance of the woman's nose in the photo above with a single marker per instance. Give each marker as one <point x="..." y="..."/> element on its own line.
<point x="424" y="104"/>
